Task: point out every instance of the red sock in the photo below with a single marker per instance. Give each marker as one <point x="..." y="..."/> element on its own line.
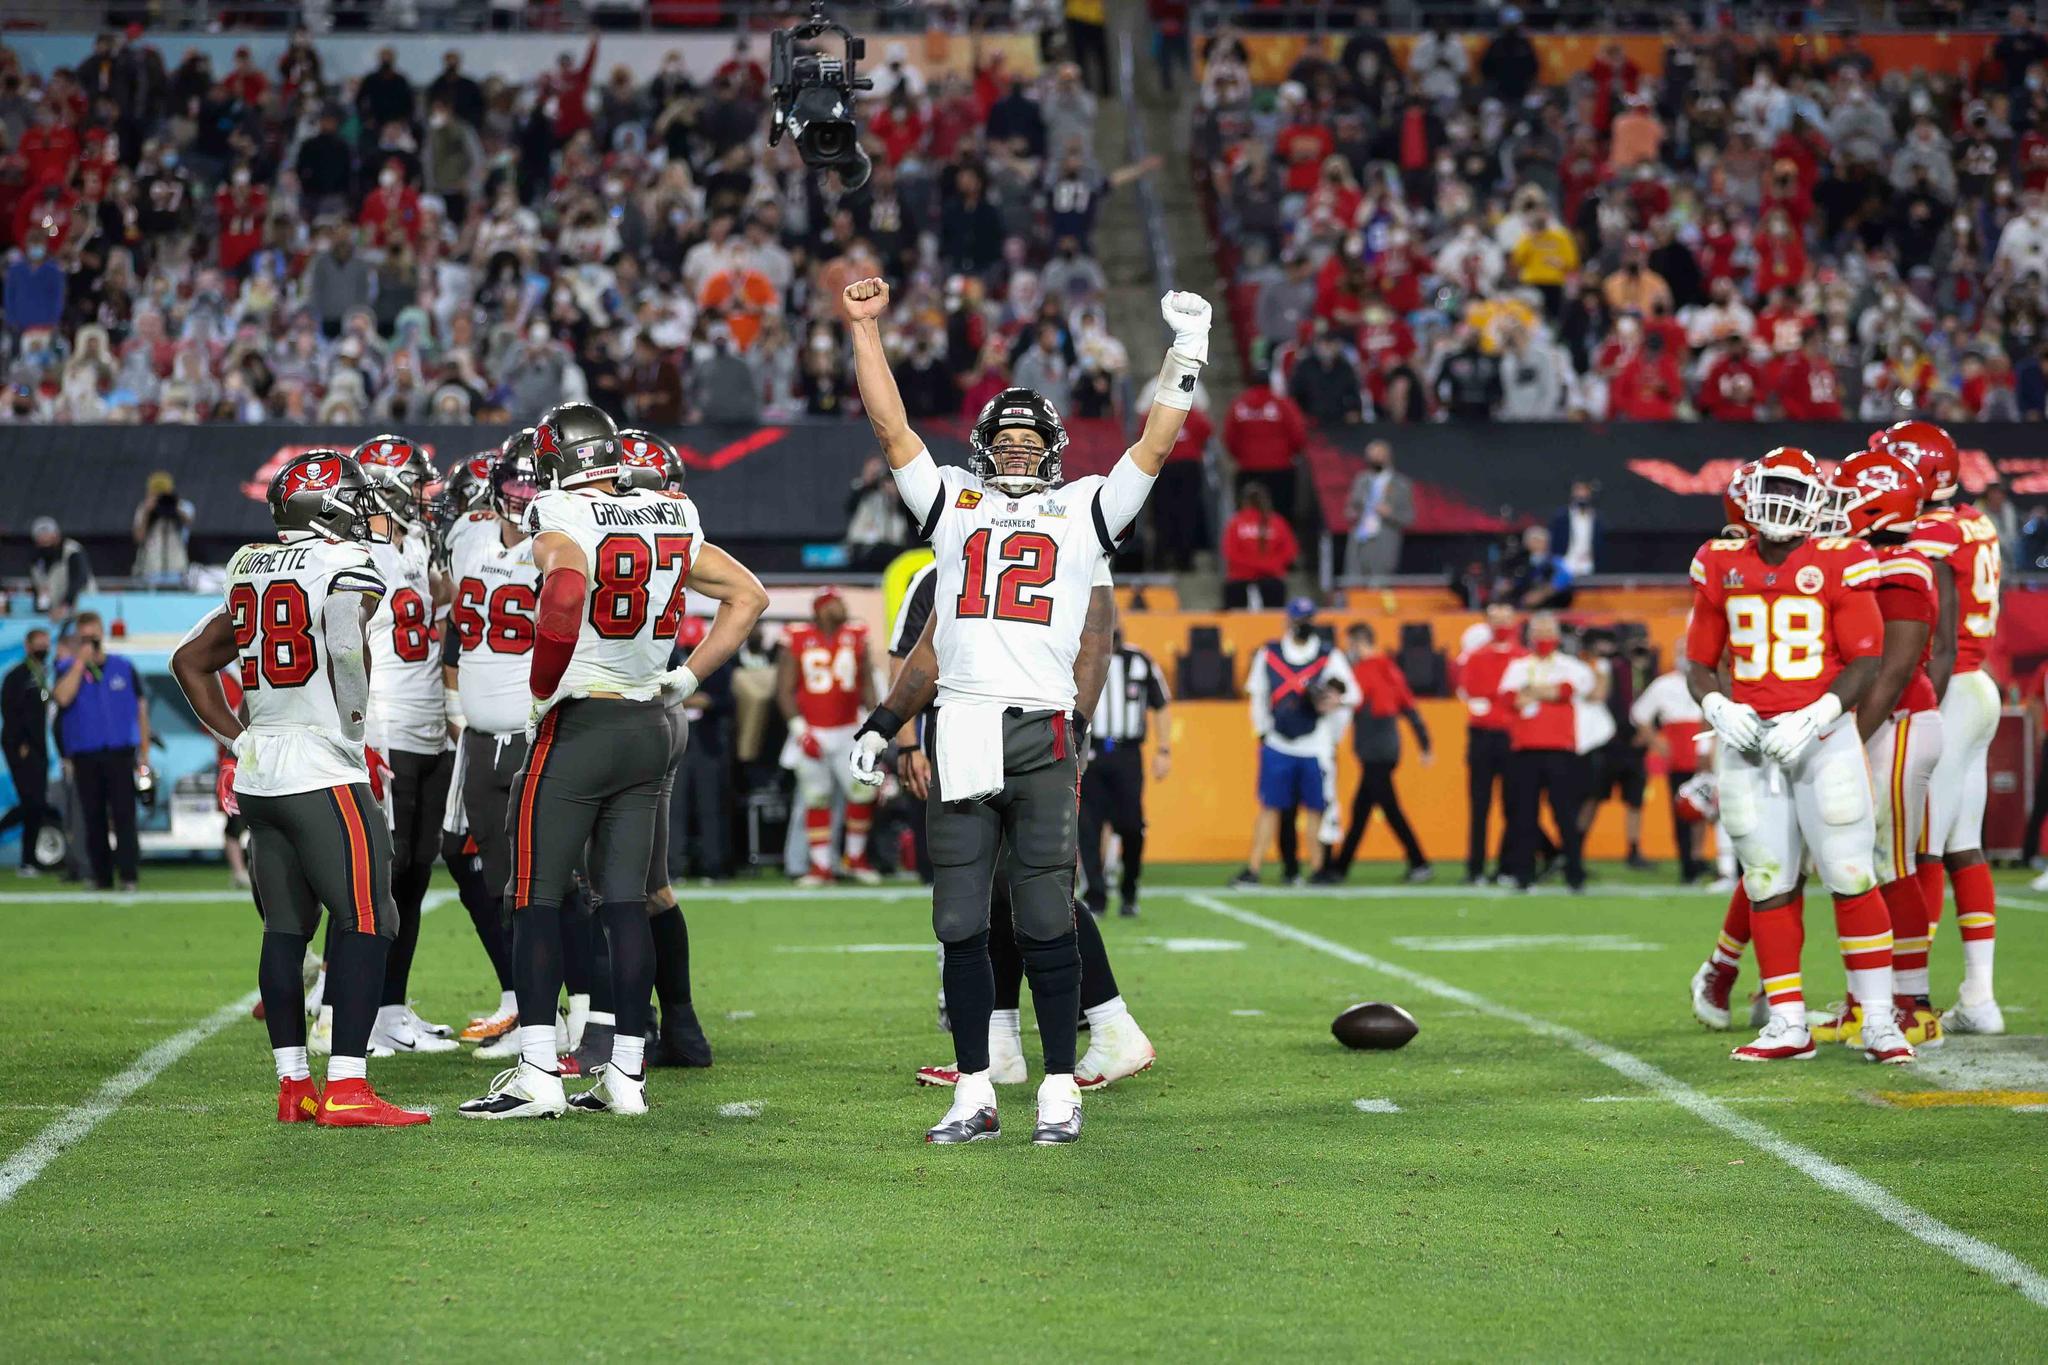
<point x="1734" y="929"/>
<point x="1864" y="925"/>
<point x="1976" y="901"/>
<point x="1780" y="936"/>
<point x="1929" y="874"/>
<point x="1909" y="923"/>
<point x="818" y="829"/>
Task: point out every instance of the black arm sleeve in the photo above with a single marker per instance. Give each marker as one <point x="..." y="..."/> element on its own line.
<point x="1414" y="719"/>
<point x="451" y="645"/>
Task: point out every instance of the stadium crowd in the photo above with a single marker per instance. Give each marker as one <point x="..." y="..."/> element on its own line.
<point x="300" y="244"/>
<point x="1745" y="236"/>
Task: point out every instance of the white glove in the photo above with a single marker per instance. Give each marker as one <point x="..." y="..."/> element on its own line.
<point x="537" y="707"/>
<point x="1786" y="738"/>
<point x="1188" y="315"/>
<point x="678" y="683"/>
<point x="865" y="758"/>
<point x="1737" y="723"/>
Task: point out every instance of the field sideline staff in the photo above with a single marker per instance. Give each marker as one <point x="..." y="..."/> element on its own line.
<point x="1134" y="698"/>
<point x="106" y="725"/>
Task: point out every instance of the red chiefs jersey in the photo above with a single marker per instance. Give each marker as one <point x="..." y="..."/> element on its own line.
<point x="1905" y="592"/>
<point x="1967" y="541"/>
<point x="1479" y="675"/>
<point x="828" y="673"/>
<point x="1787" y="628"/>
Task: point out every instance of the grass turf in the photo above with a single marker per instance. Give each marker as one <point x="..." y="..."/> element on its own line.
<point x="1232" y="1203"/>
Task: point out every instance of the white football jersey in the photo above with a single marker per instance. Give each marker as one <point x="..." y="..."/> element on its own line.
<point x="275" y="597"/>
<point x="406" y="708"/>
<point x="640" y="544"/>
<point x="1013" y="578"/>
<point x="496" y="592"/>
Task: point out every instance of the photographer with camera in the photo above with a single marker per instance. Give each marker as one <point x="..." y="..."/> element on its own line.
<point x="163" y="525"/>
<point x="103" y="718"/>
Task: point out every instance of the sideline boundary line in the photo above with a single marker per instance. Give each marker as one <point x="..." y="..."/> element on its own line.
<point x="1973" y="1252"/>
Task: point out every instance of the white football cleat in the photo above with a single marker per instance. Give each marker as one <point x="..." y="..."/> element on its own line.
<point x="614" y="1093"/>
<point x="1117" y="1050"/>
<point x="320" y="1037"/>
<point x="1782" y="1040"/>
<point x="503" y="1048"/>
<point x="397" y="1035"/>
<point x="520" y="1092"/>
<point x="1059" y="1112"/>
<point x="422" y="1026"/>
<point x="972" y="1116"/>
<point x="1710" y="987"/>
<point x="1883" y="1041"/>
<point x="1983" y="1017"/>
<point x="2039" y="883"/>
<point x="814" y="878"/>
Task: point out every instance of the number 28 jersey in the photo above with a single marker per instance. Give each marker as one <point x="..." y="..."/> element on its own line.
<point x="1787" y="628"/>
<point x="1968" y="541"/>
<point x="297" y="737"/>
<point x="497" y="589"/>
<point x="639" y="544"/>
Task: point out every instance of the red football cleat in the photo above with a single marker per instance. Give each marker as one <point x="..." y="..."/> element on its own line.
<point x="938" y="1075"/>
<point x="352" y="1104"/>
<point x="297" y="1101"/>
<point x="256" y="1010"/>
<point x="567" y="1065"/>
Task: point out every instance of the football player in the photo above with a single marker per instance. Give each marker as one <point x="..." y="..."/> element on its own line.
<point x="1877" y="499"/>
<point x="407" y="728"/>
<point x="1803" y="635"/>
<point x="614" y="563"/>
<point x="824" y="683"/>
<point x="1117" y="1047"/>
<point x="294" y="624"/>
<point x="1016" y="549"/>
<point x="1962" y="543"/>
<point x="490" y="648"/>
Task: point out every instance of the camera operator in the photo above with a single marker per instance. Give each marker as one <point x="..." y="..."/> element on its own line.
<point x="163" y="525"/>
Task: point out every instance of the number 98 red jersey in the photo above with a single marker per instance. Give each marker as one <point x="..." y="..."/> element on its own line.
<point x="828" y="673"/>
<point x="1787" y="628"/>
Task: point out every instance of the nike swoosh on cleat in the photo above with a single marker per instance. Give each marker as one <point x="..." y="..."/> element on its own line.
<point x="335" y="1108"/>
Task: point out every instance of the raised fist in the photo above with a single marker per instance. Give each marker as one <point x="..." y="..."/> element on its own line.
<point x="1187" y="315"/>
<point x="866" y="299"/>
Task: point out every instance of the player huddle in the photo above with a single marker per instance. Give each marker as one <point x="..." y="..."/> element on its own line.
<point x="1836" y="648"/>
<point x="531" y="745"/>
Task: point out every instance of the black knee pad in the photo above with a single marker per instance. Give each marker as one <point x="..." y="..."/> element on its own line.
<point x="972" y="948"/>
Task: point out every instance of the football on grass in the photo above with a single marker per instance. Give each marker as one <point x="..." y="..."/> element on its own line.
<point x="1375" y="1027"/>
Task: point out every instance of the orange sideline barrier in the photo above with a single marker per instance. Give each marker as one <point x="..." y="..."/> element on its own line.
<point x="1203" y="811"/>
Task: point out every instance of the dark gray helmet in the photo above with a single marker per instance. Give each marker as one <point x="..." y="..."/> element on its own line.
<point x="576" y="444"/>
<point x="648" y="461"/>
<point x="400" y="472"/>
<point x="323" y="493"/>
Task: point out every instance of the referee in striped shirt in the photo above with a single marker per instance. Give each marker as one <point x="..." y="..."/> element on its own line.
<point x="1113" y="787"/>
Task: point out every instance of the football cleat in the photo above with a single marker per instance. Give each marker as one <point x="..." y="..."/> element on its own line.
<point x="615" y="1093"/>
<point x="423" y="1027"/>
<point x="520" y="1092"/>
<point x="1126" y="909"/>
<point x="972" y="1117"/>
<point x="1782" y="1040"/>
<point x="1883" y="1041"/>
<point x="490" y="1027"/>
<point x="503" y="1048"/>
<point x="594" y="1052"/>
<point x="297" y="1101"/>
<point x="1116" y="1051"/>
<point x="1059" y="1112"/>
<point x="1844" y="1025"/>
<point x="863" y="871"/>
<point x="815" y="877"/>
<point x="1710" y="987"/>
<point x="681" y="1041"/>
<point x="320" y="1037"/>
<point x="938" y="1075"/>
<point x="1247" y="877"/>
<point x="1424" y="872"/>
<point x="256" y="1011"/>
<point x="568" y="1065"/>
<point x="352" y="1104"/>
<point x="1983" y="1017"/>
<point x="1919" y="1021"/>
<point x="401" y="1037"/>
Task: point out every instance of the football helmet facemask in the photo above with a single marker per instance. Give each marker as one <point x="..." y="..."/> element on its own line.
<point x="1014" y="409"/>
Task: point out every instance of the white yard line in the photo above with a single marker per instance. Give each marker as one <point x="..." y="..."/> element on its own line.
<point x="2036" y="905"/>
<point x="1974" y="1252"/>
<point x="71" y="1126"/>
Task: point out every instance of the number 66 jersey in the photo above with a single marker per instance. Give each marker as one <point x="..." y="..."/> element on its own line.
<point x="639" y="544"/>
<point x="1787" y="628"/>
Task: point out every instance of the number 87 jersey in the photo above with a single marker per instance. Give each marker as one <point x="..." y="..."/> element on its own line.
<point x="1787" y="629"/>
<point x="639" y="544"/>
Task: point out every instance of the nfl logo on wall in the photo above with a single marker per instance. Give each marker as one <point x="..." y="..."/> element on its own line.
<point x="1809" y="579"/>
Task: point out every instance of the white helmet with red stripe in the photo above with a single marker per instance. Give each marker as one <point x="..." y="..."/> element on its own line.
<point x="1734" y="517"/>
<point x="1784" y="495"/>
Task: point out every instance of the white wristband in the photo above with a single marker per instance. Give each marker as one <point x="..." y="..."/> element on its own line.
<point x="1177" y="376"/>
<point x="799" y="727"/>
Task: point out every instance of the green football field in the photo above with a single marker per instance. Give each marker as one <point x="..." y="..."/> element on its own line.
<point x="1562" y="1165"/>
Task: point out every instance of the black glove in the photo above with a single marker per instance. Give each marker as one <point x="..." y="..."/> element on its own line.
<point x="881" y="721"/>
<point x="1080" y="728"/>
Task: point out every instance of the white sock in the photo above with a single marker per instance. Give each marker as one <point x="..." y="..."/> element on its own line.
<point x="340" y="1068"/>
<point x="318" y="995"/>
<point x="537" y="1046"/>
<point x="1791" y="1011"/>
<point x="325" y="1018"/>
<point x="974" y="1090"/>
<point x="1108" y="1012"/>
<point x="627" y="1053"/>
<point x="1872" y="987"/>
<point x="579" y="1005"/>
<point x="1977" y="958"/>
<point x="1912" y="981"/>
<point x="391" y="1019"/>
<point x="508" y="1002"/>
<point x="291" y="1063"/>
<point x="1006" y="1023"/>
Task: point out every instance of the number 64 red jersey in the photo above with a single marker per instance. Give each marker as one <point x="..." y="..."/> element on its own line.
<point x="1787" y="628"/>
<point x="640" y="544"/>
<point x="828" y="673"/>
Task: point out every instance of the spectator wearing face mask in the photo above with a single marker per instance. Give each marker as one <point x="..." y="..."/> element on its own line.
<point x="59" y="569"/>
<point x="339" y="281"/>
<point x="34" y="293"/>
<point x="1382" y="507"/>
<point x="1325" y="384"/>
<point x="1577" y="529"/>
<point x="2023" y="245"/>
